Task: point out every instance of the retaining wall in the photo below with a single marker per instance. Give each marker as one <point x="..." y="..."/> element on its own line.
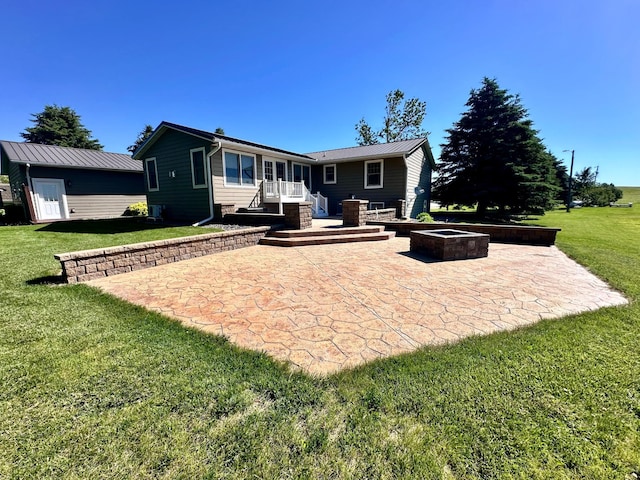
<point x="87" y="265"/>
<point x="519" y="234"/>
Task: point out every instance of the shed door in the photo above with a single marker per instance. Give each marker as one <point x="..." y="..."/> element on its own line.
<point x="49" y="198"/>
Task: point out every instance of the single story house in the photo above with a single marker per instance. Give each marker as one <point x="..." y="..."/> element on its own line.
<point x="188" y="172"/>
<point x="71" y="183"/>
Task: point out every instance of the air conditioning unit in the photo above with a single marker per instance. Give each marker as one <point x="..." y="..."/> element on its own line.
<point x="155" y="212"/>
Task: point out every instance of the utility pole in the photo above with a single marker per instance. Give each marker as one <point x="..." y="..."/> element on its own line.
<point x="570" y="193"/>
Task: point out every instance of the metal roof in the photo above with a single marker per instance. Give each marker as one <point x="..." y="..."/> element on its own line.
<point x="65" y="157"/>
<point x="226" y="140"/>
<point x="403" y="147"/>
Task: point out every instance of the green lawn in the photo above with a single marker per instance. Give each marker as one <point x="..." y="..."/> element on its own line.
<point x="93" y="387"/>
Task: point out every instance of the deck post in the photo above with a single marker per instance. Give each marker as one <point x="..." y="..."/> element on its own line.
<point x="280" y="196"/>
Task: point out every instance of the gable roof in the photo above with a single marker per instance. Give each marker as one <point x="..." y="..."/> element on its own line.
<point x="227" y="142"/>
<point x="380" y="150"/>
<point x="65" y="157"/>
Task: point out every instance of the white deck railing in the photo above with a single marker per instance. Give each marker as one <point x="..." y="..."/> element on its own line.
<point x="320" y="204"/>
<point x="273" y="191"/>
<point x="279" y="191"/>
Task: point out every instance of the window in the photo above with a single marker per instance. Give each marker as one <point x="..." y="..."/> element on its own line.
<point x="302" y="173"/>
<point x="376" y="205"/>
<point x="329" y="174"/>
<point x="152" y="175"/>
<point x="198" y="175"/>
<point x="239" y="169"/>
<point x="373" y="173"/>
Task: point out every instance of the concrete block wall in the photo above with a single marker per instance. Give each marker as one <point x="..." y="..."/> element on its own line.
<point x="518" y="234"/>
<point x="297" y="216"/>
<point x="222" y="209"/>
<point x="354" y="212"/>
<point x="88" y="265"/>
<point x="385" y="214"/>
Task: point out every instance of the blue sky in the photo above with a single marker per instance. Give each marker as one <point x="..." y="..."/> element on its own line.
<point x="299" y="75"/>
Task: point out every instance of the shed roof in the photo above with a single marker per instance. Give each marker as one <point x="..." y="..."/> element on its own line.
<point x="65" y="157"/>
<point x="403" y="147"/>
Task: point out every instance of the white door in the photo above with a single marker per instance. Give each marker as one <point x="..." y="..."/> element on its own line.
<point x="49" y="197"/>
<point x="272" y="170"/>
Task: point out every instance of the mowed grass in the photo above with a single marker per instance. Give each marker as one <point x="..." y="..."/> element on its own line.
<point x="93" y="387"/>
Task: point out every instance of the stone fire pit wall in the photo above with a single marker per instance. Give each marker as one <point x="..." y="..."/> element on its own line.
<point x="450" y="244"/>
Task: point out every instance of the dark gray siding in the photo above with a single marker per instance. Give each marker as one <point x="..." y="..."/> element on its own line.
<point x="93" y="182"/>
<point x="17" y="177"/>
<point x="350" y="181"/>
<point x="182" y="202"/>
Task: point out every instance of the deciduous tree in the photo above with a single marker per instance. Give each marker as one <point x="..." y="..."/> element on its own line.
<point x="59" y="126"/>
<point x="402" y="121"/>
<point x="494" y="158"/>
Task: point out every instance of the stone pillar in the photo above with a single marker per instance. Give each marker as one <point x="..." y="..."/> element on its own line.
<point x="297" y="216"/>
<point x="401" y="208"/>
<point x="221" y="209"/>
<point x="354" y="212"/>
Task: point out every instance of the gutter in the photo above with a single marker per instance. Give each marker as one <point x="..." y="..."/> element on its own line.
<point x="216" y="146"/>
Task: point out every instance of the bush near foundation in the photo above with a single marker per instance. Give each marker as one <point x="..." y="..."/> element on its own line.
<point x="424" y="217"/>
<point x="138" y="209"/>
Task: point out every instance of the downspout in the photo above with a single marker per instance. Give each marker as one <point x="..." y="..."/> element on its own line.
<point x="216" y="146"/>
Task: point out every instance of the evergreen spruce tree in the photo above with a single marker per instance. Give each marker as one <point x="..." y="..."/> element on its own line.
<point x="59" y="126"/>
<point x="146" y="132"/>
<point x="494" y="158"/>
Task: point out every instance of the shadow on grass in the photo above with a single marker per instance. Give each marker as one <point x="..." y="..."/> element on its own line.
<point x="47" y="280"/>
<point x="119" y="225"/>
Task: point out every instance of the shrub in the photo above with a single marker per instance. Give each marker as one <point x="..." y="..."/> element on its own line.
<point x="138" y="209"/>
<point x="424" y="217"/>
<point x="2" y="212"/>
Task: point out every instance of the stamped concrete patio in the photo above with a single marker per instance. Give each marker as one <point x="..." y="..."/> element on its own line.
<point x="327" y="307"/>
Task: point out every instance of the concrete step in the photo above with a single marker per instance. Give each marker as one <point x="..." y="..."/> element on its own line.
<point x="299" y="241"/>
<point x="329" y="231"/>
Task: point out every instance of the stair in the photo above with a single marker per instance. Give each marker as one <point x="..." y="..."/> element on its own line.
<point x="325" y="236"/>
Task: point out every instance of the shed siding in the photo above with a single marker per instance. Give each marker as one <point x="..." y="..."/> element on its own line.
<point x="172" y="153"/>
<point x="95" y="193"/>
<point x="350" y="181"/>
<point x="17" y="177"/>
<point x="100" y="206"/>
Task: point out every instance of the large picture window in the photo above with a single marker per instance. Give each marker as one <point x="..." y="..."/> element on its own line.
<point x="373" y="174"/>
<point x="239" y="169"/>
<point x="198" y="175"/>
<point x="152" y="174"/>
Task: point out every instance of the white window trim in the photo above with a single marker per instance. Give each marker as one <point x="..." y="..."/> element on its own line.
<point x="146" y="164"/>
<point x="204" y="165"/>
<point x="224" y="170"/>
<point x="302" y="165"/>
<point x="335" y="174"/>
<point x="366" y="163"/>
<point x="376" y="205"/>
<point x="275" y="171"/>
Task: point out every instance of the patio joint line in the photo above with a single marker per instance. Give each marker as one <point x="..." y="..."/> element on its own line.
<point x="400" y="333"/>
